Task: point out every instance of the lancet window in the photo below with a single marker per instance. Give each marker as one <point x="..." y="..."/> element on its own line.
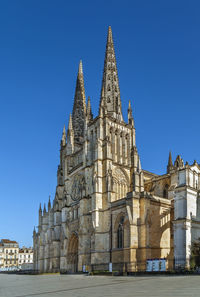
<point x="120" y="234"/>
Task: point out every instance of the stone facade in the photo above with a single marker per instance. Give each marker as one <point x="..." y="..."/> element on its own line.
<point x="107" y="209"/>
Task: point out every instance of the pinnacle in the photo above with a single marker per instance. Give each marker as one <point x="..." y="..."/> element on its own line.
<point x="88" y="103"/>
<point x="64" y="131"/>
<point x="49" y="203"/>
<point x="40" y="208"/>
<point x="170" y="163"/>
<point x="63" y="141"/>
<point x="130" y="114"/>
<point x="129" y="105"/>
<point x="89" y="110"/>
<point x="70" y="127"/>
<point x="130" y="110"/>
<point x="139" y="167"/>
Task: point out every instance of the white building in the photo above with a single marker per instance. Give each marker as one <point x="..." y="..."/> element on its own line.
<point x="25" y="257"/>
<point x="9" y="250"/>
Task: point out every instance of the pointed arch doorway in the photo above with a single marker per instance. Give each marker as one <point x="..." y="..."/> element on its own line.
<point x="72" y="254"/>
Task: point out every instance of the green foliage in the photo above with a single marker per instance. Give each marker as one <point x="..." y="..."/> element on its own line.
<point x="195" y="255"/>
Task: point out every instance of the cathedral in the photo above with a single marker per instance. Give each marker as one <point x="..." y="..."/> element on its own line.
<point x="108" y="212"/>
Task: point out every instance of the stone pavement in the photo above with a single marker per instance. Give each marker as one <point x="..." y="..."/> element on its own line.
<point x="98" y="286"/>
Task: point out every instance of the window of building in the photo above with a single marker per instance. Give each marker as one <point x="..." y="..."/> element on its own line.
<point x="120" y="236"/>
<point x="165" y="191"/>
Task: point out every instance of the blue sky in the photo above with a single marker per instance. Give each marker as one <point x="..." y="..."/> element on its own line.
<point x="157" y="47"/>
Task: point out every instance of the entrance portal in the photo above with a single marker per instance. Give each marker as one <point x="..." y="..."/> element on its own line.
<point x="72" y="254"/>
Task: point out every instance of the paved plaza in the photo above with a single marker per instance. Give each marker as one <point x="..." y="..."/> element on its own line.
<point x="98" y="286"/>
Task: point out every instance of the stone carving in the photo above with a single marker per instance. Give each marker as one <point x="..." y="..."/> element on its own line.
<point x="109" y="180"/>
<point x="120" y="183"/>
<point x="78" y="188"/>
<point x="119" y="176"/>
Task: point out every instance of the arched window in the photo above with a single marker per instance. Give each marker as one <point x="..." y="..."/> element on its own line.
<point x="165" y="192"/>
<point x="120" y="234"/>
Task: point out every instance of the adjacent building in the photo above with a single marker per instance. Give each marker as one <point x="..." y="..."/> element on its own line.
<point x="26" y="258"/>
<point x="25" y="255"/>
<point x="108" y="212"/>
<point x="1" y="256"/>
<point x="11" y="256"/>
<point x="9" y="250"/>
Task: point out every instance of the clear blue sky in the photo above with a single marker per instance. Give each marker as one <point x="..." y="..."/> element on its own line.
<point x="157" y="45"/>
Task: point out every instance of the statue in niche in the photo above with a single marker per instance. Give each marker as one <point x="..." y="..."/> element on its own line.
<point x="95" y="182"/>
<point x="60" y="175"/>
<point x="148" y="218"/>
<point x="109" y="180"/>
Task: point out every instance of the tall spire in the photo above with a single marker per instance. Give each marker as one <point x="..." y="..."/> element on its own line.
<point x="110" y="92"/>
<point x="79" y="108"/>
<point x="170" y="163"/>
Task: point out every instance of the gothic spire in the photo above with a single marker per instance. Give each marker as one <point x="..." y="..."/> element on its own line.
<point x="79" y="108"/>
<point x="40" y="208"/>
<point x="89" y="110"/>
<point x="110" y="92"/>
<point x="170" y="163"/>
